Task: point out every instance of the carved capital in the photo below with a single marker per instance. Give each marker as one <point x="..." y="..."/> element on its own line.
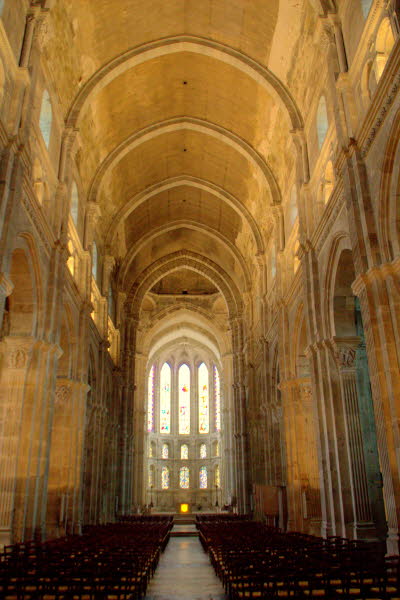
<point x="6" y="285"/>
<point x="62" y="395"/>
<point x="344" y="350"/>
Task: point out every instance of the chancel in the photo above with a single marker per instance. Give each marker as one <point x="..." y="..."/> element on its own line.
<point x="200" y="271"/>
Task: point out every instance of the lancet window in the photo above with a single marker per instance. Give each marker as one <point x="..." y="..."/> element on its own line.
<point x="184" y="478"/>
<point x="203" y="478"/>
<point x="217" y="399"/>
<point x="204" y="417"/>
<point x="165" y="478"/>
<point x="150" y="400"/>
<point x="184" y="452"/>
<point x="165" y="399"/>
<point x="184" y="399"/>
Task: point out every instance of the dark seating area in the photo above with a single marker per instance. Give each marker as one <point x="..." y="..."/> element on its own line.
<point x="256" y="561"/>
<point x="108" y="562"/>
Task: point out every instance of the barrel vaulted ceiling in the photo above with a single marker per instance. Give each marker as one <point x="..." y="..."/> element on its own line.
<point x="185" y="110"/>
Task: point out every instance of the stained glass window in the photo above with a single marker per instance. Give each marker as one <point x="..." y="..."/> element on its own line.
<point x="184" y="478"/>
<point x="216" y="449"/>
<point x="217" y="392"/>
<point x="165" y="399"/>
<point x="203" y="477"/>
<point x="217" y="477"/>
<point x="150" y="401"/>
<point x="151" y="476"/>
<point x="184" y="452"/>
<point x="203" y="451"/>
<point x="165" y="451"/>
<point x="203" y="399"/>
<point x="184" y="399"/>
<point x="165" y="478"/>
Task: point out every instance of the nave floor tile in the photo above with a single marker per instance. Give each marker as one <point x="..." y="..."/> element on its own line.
<point x="185" y="573"/>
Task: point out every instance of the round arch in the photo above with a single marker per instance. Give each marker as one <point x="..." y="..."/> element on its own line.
<point x="185" y="180"/>
<point x="178" y="124"/>
<point x="189" y="224"/>
<point x="187" y="260"/>
<point x="388" y="211"/>
<point x="340" y="242"/>
<point x="177" y="44"/>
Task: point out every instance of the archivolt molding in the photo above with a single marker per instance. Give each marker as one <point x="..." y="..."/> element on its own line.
<point x="185" y="180"/>
<point x="185" y="43"/>
<point x="184" y="260"/>
<point x="389" y="194"/>
<point x="340" y="242"/>
<point x="189" y="224"/>
<point x="179" y="124"/>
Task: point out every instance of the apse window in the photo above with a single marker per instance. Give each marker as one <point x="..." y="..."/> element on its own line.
<point x="204" y="418"/>
<point x="184" y="478"/>
<point x="203" y="478"/>
<point x="184" y="400"/>
<point x="165" y="451"/>
<point x="165" y="478"/>
<point x="203" y="451"/>
<point x="165" y="399"/>
<point x="150" y="400"/>
<point x="184" y="452"/>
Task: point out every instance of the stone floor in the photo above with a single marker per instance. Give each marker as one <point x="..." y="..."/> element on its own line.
<point x="185" y="573"/>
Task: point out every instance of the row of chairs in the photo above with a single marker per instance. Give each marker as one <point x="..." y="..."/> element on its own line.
<point x="107" y="562"/>
<point x="256" y="561"/>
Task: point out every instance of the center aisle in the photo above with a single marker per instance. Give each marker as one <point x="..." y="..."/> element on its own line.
<point x="185" y="573"/>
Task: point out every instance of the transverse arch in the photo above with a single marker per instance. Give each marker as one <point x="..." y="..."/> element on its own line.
<point x="185" y="43"/>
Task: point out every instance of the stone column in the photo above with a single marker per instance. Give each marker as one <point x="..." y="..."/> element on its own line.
<point x="18" y="352"/>
<point x="63" y="509"/>
<point x="379" y="295"/>
<point x="345" y="355"/>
